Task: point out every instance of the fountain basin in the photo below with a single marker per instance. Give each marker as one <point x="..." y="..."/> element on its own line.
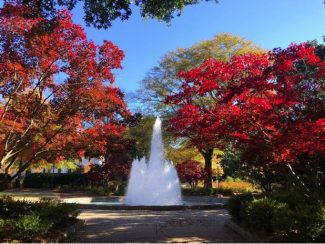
<point x="117" y="203"/>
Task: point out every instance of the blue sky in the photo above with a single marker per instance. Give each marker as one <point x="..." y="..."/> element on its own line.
<point x="268" y="23"/>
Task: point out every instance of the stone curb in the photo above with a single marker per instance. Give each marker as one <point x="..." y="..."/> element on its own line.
<point x="153" y="208"/>
<point x="70" y="231"/>
<point x="238" y="229"/>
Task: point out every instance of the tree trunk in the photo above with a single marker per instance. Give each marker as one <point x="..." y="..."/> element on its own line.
<point x="17" y="181"/>
<point x="207" y="154"/>
<point x="297" y="182"/>
<point x="267" y="182"/>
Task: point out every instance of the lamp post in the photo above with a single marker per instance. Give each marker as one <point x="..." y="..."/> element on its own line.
<point x="217" y="178"/>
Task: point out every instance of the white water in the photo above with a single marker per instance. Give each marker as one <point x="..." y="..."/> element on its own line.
<point x="155" y="183"/>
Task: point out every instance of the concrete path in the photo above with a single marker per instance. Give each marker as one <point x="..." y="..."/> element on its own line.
<point x="106" y="226"/>
<point x="109" y="226"/>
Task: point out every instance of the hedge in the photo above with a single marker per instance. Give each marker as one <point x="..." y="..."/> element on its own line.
<point x="288" y="220"/>
<point x="38" y="180"/>
<point x="4" y="176"/>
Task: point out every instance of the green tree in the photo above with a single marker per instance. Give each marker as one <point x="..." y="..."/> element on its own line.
<point x="162" y="80"/>
<point x="101" y="13"/>
<point x="141" y="134"/>
<point x="176" y="149"/>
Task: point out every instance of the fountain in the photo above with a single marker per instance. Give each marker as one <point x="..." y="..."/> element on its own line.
<point x="152" y="186"/>
<point x="155" y="182"/>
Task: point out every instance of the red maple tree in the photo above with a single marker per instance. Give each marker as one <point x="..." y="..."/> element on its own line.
<point x="191" y="171"/>
<point x="115" y="169"/>
<point x="272" y="105"/>
<point x="56" y="91"/>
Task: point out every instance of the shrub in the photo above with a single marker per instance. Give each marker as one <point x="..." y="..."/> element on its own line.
<point x="283" y="218"/>
<point x="101" y="191"/>
<point x="59" y="213"/>
<point x="292" y="199"/>
<point x="229" y="179"/>
<point x="290" y="219"/>
<point x="121" y="190"/>
<point x="26" y="226"/>
<point x="260" y="213"/>
<point x="209" y="191"/>
<point x="45" y="185"/>
<point x="12" y="208"/>
<point x="23" y="219"/>
<point x="309" y="223"/>
<point x="33" y="224"/>
<point x="237" y="205"/>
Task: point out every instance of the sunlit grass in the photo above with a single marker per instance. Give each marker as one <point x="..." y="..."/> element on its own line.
<point x="234" y="187"/>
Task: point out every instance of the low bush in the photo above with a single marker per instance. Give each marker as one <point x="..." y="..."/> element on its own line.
<point x="309" y="224"/>
<point x="291" y="218"/>
<point x="22" y="220"/>
<point x="121" y="191"/>
<point x="10" y="208"/>
<point x="283" y="218"/>
<point x="237" y="205"/>
<point x="102" y="191"/>
<point x="292" y="199"/>
<point x="229" y="179"/>
<point x="199" y="191"/>
<point x="223" y="188"/>
<point x="260" y="213"/>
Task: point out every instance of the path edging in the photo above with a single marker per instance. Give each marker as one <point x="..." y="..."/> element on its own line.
<point x="244" y="233"/>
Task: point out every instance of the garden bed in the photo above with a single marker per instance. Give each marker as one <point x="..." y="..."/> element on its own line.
<point x="55" y="235"/>
<point x="36" y="221"/>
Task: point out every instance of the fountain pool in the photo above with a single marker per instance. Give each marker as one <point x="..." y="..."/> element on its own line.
<point x="118" y="203"/>
<point x="152" y="186"/>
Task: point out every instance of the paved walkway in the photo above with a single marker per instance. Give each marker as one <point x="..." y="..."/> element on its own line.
<point x="106" y="226"/>
<point x="109" y="226"/>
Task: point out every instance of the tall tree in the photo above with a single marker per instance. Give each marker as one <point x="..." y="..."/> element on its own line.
<point x="53" y="87"/>
<point x="163" y="80"/>
<point x="272" y="106"/>
<point x="102" y="13"/>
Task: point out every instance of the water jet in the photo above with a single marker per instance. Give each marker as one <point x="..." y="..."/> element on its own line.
<point x="153" y="185"/>
<point x="155" y="182"/>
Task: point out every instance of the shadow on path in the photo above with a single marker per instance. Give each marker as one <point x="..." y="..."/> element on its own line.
<point x="151" y="226"/>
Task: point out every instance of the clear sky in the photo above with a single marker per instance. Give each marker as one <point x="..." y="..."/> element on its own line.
<point x="268" y="23"/>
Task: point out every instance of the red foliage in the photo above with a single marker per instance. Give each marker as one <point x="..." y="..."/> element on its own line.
<point x="191" y="172"/>
<point x="271" y="104"/>
<point x="56" y="93"/>
<point x="116" y="168"/>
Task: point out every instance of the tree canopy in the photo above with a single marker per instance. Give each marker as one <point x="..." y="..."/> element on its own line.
<point x="163" y="80"/>
<point x="101" y="13"/>
<point x="271" y="105"/>
<point x="57" y="92"/>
